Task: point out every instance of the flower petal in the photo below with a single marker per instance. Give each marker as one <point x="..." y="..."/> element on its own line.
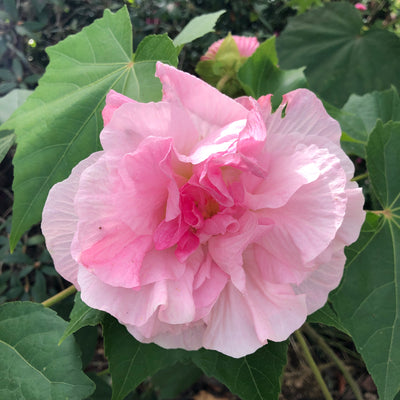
<point x="303" y="114"/>
<point x="208" y="108"/>
<point x="59" y="220"/>
<point x="230" y="328"/>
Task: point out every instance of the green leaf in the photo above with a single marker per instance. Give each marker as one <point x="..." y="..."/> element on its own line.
<point x="131" y="362"/>
<point x="197" y="28"/>
<point x="342" y="57"/>
<point x="327" y="316"/>
<point x="87" y="341"/>
<point x="7" y="139"/>
<point x="32" y="365"/>
<point x="103" y="390"/>
<point x="59" y="124"/>
<point x="254" y="377"/>
<point x="368" y="300"/>
<point x="170" y="382"/>
<point x="260" y="74"/>
<point x="359" y="115"/>
<point x="81" y="315"/>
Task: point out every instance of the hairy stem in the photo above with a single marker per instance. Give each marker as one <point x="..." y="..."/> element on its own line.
<point x="314" y="368"/>
<point x="59" y="296"/>
<point x="331" y="354"/>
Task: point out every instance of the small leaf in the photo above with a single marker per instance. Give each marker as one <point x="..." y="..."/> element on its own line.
<point x="260" y="74"/>
<point x="368" y="300"/>
<point x="340" y="56"/>
<point x="8" y="104"/>
<point x="131" y="362"/>
<point x="7" y="139"/>
<point x="327" y="316"/>
<point x="81" y="315"/>
<point x="254" y="377"/>
<point x="32" y="365"/>
<point x="197" y="28"/>
<point x="59" y="125"/>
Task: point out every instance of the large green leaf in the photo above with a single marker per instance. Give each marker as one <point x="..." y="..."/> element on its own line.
<point x="59" y="124"/>
<point x="197" y="28"/>
<point x="32" y="365"/>
<point x="131" y="362"/>
<point x="341" y="57"/>
<point x="254" y="377"/>
<point x="81" y="316"/>
<point x="359" y="115"/>
<point x="368" y="300"/>
<point x="260" y="74"/>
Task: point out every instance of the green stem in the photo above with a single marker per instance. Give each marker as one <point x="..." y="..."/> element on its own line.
<point x="360" y="177"/>
<point x="331" y="354"/>
<point x="59" y="296"/>
<point x="221" y="83"/>
<point x="313" y="365"/>
<point x="104" y="372"/>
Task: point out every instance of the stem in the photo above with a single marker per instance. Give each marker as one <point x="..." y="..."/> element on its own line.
<point x="221" y="83"/>
<point x="59" y="296"/>
<point x="331" y="354"/>
<point x="313" y="365"/>
<point x="360" y="177"/>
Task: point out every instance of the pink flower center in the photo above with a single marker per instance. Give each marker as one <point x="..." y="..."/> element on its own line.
<point x="205" y="210"/>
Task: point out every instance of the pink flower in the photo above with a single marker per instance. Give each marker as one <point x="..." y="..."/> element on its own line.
<point x="207" y="221"/>
<point x="360" y="7"/>
<point x="246" y="45"/>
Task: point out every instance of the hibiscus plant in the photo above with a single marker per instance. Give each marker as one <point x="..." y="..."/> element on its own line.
<point x="203" y="220"/>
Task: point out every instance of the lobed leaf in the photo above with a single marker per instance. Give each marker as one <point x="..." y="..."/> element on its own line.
<point x="340" y="54"/>
<point x="368" y="300"/>
<point x="59" y="124"/>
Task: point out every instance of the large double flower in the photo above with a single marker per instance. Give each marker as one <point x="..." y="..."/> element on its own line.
<point x="207" y="221"/>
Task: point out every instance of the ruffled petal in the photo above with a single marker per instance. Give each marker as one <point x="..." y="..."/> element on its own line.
<point x="276" y="309"/>
<point x="208" y="108"/>
<point x="132" y="122"/>
<point x="312" y="216"/>
<point x="59" y="220"/>
<point x="230" y="328"/>
<point x="303" y="114"/>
